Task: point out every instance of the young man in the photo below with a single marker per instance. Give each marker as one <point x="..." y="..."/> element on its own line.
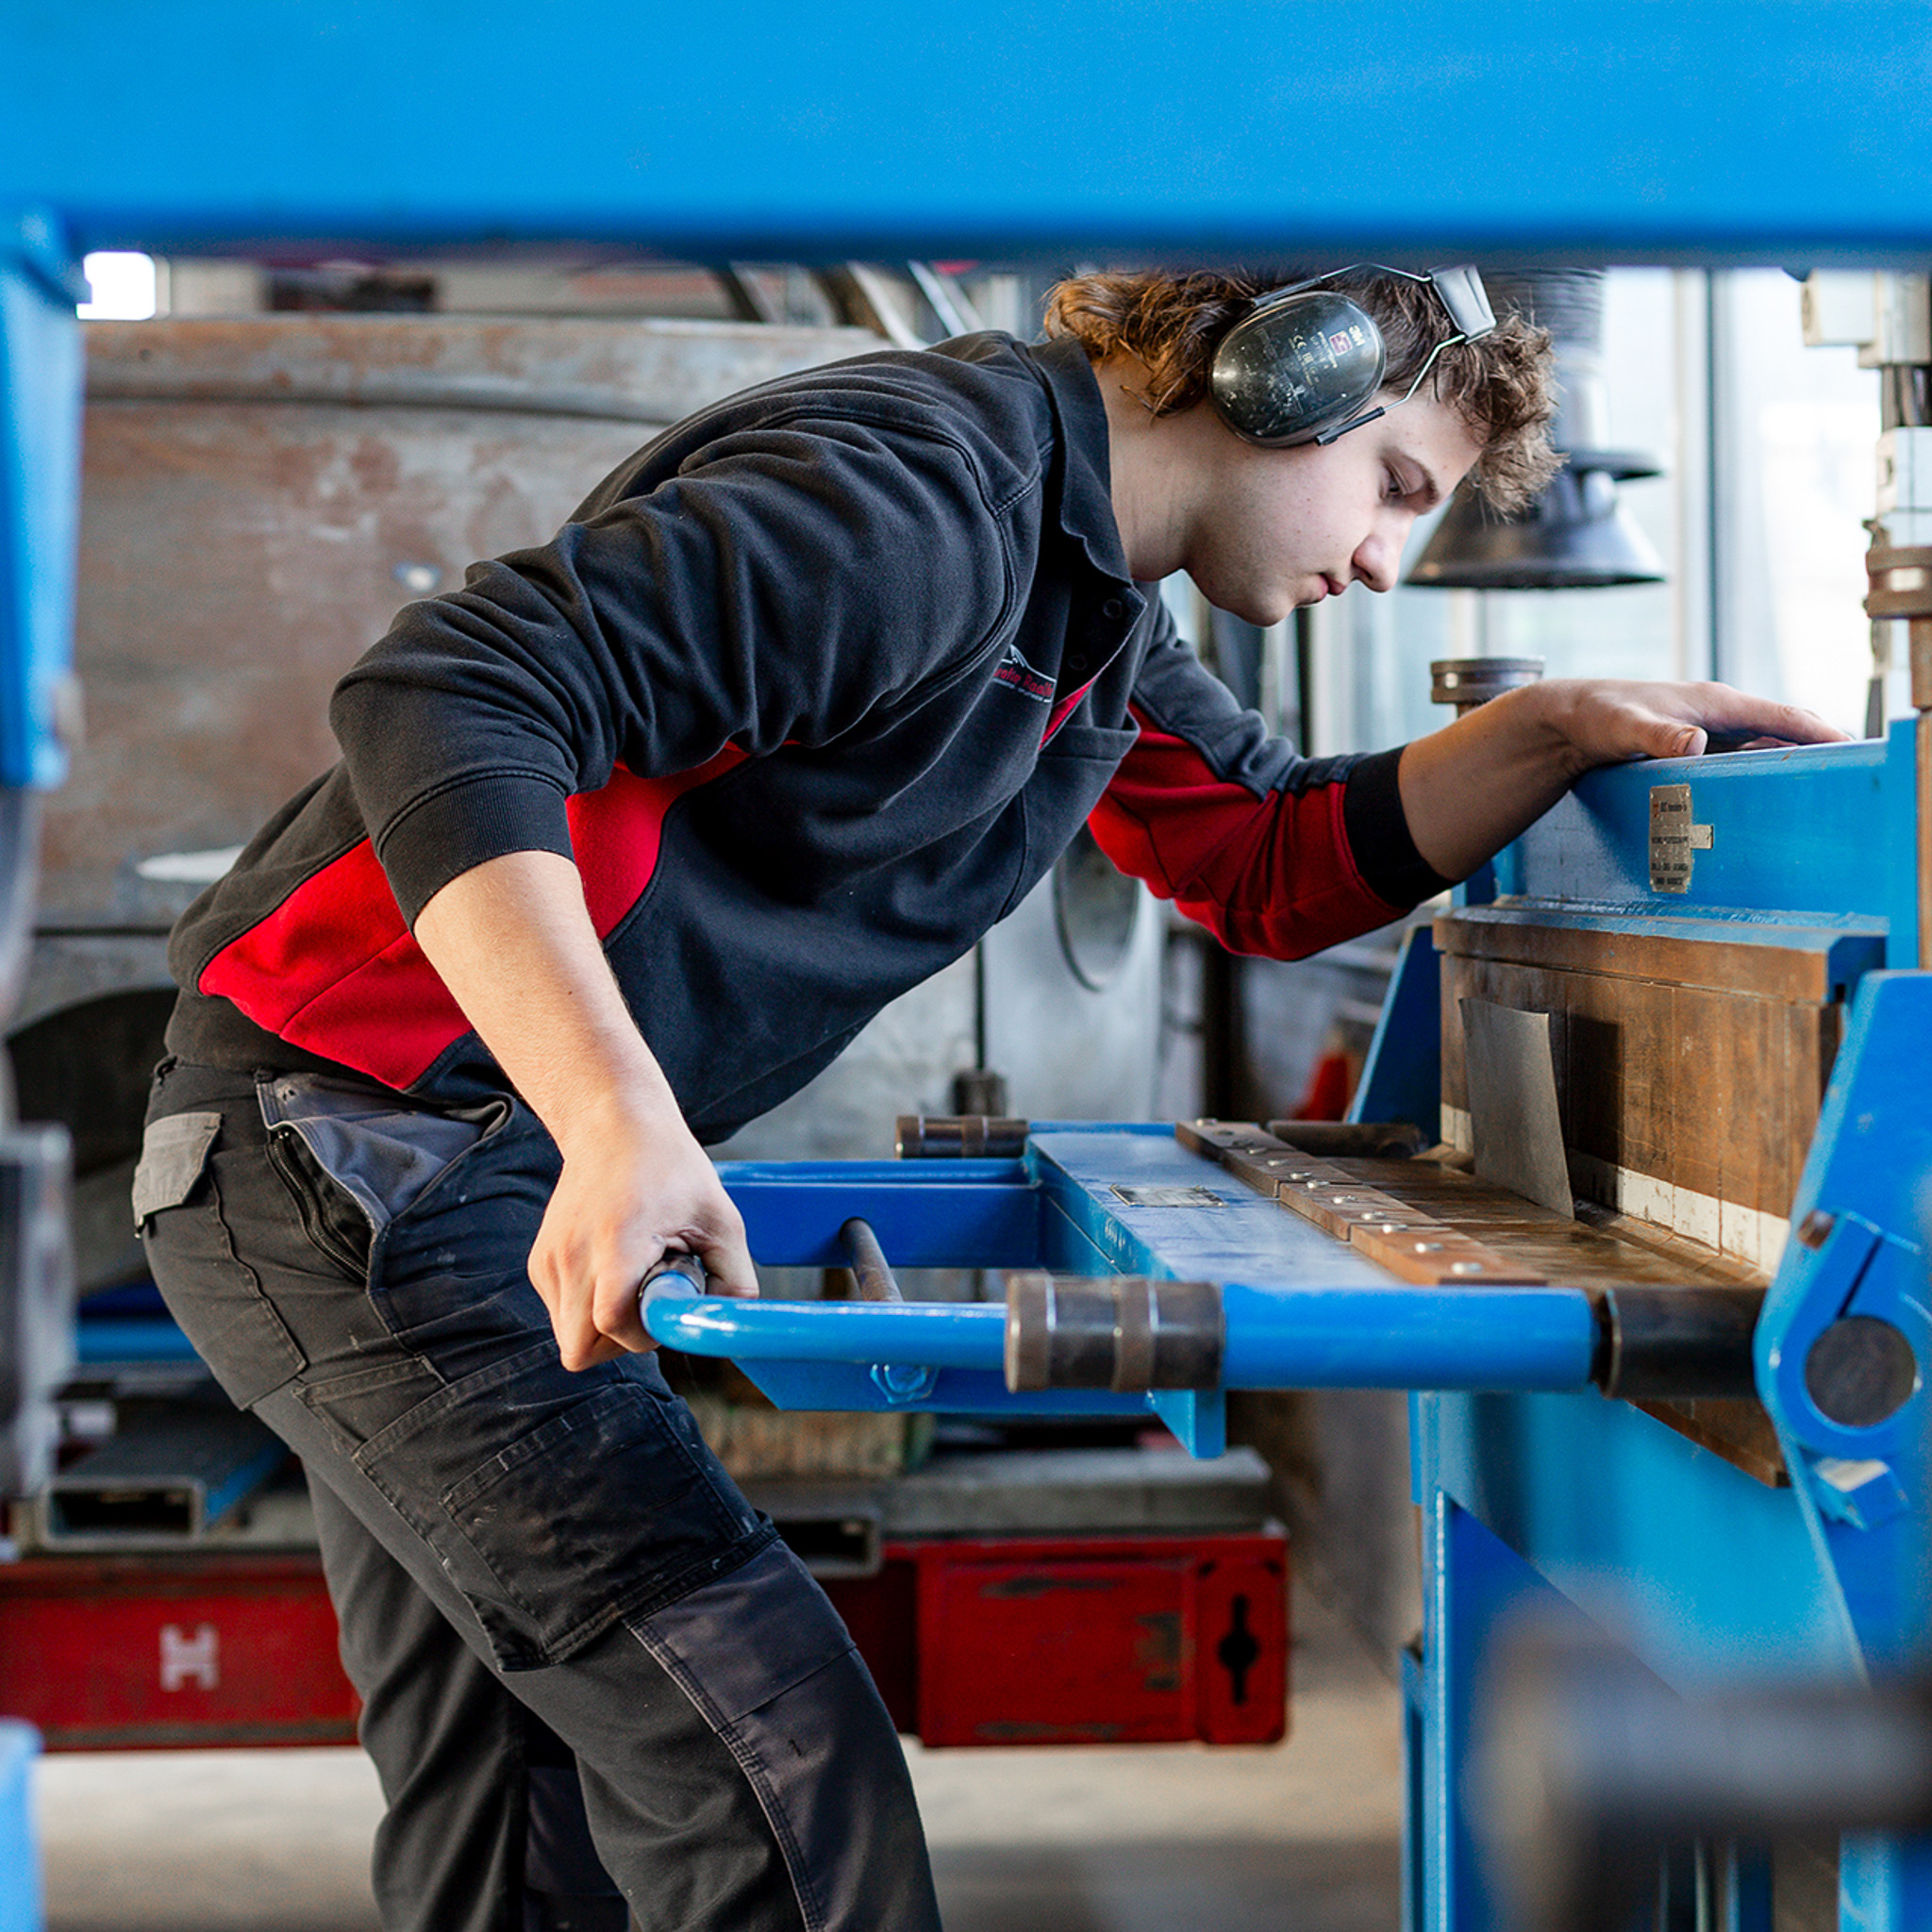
<point x="631" y="835"/>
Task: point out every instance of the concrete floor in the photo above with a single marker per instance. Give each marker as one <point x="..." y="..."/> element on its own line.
<point x="1297" y="1838"/>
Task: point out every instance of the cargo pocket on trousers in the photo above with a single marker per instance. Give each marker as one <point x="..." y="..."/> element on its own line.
<point x="558" y="1503"/>
<point x="353" y="1158"/>
<point x="208" y="1289"/>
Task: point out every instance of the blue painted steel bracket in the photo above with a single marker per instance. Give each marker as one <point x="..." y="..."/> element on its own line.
<point x="958" y="1214"/>
<point x="1705" y="1574"/>
<point x="1402" y="1076"/>
<point x="926" y="1213"/>
<point x="1747" y="130"/>
<point x="1301" y="1309"/>
<point x="1803" y="837"/>
<point x="39" y="485"/>
<point x="1865" y="1491"/>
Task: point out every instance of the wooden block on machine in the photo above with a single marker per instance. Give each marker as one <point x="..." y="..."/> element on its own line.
<point x="1690" y="1068"/>
<point x="1406" y="1238"/>
<point x="1428" y="1221"/>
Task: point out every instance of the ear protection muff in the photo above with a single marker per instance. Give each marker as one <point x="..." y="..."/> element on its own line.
<point x="1305" y="362"/>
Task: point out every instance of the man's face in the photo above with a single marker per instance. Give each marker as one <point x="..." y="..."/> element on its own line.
<point x="1290" y="527"/>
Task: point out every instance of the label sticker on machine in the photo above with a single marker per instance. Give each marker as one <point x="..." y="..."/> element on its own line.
<point x="1675" y="837"/>
<point x="1169" y="1197"/>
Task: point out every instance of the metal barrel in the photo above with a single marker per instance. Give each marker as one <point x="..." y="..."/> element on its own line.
<point x="959" y="1136"/>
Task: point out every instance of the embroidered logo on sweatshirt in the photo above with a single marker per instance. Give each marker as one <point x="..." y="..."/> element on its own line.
<point x="1015" y="670"/>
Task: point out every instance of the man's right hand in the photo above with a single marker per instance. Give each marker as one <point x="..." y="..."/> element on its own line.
<point x="627" y="1194"/>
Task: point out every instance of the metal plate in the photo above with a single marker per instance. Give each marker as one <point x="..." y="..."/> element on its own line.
<point x="1169" y="1197"/>
<point x="1675" y="837"/>
<point x="1512" y="1103"/>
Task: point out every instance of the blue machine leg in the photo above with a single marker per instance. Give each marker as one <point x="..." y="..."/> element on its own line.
<point x="1747" y="1902"/>
<point x="1884" y="1885"/>
<point x="1477" y="1587"/>
<point x="1402" y="1075"/>
<point x="20" y="1865"/>
<point x="39" y="488"/>
<point x="40" y="493"/>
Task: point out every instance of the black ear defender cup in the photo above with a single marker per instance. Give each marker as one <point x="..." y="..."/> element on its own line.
<point x="1304" y="364"/>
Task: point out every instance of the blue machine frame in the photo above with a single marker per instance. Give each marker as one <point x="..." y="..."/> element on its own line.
<point x="1534" y="1488"/>
<point x="1707" y="131"/>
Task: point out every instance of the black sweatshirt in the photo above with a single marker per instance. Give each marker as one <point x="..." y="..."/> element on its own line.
<point x="813" y="688"/>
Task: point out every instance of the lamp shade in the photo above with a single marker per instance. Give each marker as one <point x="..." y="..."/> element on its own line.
<point x="1576" y="536"/>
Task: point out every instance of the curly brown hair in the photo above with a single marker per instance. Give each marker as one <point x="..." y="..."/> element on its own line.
<point x="1502" y="384"/>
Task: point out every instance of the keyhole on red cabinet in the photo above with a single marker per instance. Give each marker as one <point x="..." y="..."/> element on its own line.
<point x="1238" y="1652"/>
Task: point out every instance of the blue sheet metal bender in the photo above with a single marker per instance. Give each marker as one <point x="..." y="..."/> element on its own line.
<point x="1531" y="1481"/>
<point x="1719" y="1464"/>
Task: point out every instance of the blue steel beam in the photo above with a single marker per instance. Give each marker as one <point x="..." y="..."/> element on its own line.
<point x="39" y="486"/>
<point x="1849" y="856"/>
<point x="1714" y="129"/>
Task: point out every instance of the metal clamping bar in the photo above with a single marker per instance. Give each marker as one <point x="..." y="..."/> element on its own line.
<point x="959" y="1136"/>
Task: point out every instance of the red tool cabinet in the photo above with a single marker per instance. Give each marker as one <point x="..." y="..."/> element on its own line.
<point x="1002" y="1640"/>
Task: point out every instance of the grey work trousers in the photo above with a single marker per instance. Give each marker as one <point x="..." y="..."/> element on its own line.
<point x="580" y="1652"/>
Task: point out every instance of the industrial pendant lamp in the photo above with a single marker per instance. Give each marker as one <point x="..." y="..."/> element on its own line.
<point x="1575" y="535"/>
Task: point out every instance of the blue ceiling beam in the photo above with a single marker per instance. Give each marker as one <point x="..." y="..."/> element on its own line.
<point x="1715" y="130"/>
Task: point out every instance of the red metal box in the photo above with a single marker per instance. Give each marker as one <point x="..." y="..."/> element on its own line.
<point x="126" y="1653"/>
<point x="1097" y="1640"/>
<point x="1051" y="1641"/>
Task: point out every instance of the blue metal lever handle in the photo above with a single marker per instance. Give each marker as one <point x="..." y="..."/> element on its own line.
<point x="939" y="1334"/>
<point x="673" y="1276"/>
<point x="1278" y="1338"/>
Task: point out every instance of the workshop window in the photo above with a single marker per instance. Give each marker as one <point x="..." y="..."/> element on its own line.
<point x="1767" y="449"/>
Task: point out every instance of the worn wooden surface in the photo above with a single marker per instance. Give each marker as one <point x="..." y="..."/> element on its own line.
<point x="1706" y="953"/>
<point x="1471" y="1232"/>
<point x="1684" y="1101"/>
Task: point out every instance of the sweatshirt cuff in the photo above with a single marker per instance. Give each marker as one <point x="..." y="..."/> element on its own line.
<point x="1378" y="834"/>
<point x="453" y="830"/>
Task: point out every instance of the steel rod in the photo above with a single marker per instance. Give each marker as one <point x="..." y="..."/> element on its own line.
<point x="939" y="1335"/>
<point x="869" y="1265"/>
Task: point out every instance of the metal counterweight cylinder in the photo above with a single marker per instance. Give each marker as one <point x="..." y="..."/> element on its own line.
<point x="959" y="1136"/>
<point x="1122" y="1332"/>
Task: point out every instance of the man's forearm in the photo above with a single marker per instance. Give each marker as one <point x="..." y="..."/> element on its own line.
<point x="514" y="945"/>
<point x="512" y="940"/>
<point x="1470" y="788"/>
